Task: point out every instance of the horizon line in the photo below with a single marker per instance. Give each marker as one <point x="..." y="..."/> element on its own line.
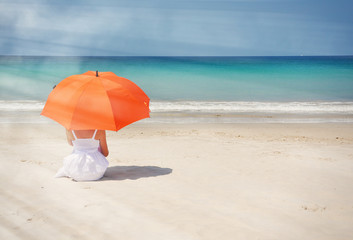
<point x="15" y="55"/>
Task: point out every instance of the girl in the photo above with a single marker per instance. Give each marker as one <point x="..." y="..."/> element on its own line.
<point x="87" y="162"/>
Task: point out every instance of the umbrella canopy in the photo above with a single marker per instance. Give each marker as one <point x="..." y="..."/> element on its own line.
<point x="102" y="101"/>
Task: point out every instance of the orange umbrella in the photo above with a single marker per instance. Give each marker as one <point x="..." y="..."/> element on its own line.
<point x="91" y="101"/>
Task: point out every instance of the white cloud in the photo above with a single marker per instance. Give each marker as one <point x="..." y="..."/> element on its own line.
<point x="167" y="28"/>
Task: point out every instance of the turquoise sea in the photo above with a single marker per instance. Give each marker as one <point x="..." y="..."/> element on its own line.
<point x="216" y="85"/>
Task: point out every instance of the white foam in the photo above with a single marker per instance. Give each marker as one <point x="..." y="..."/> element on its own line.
<point x="23" y="105"/>
<point x="215" y="107"/>
<point x="254" y="107"/>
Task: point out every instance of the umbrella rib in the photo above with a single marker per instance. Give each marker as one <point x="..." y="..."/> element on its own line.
<point x="130" y="95"/>
<point x="106" y="95"/>
<point x="84" y="86"/>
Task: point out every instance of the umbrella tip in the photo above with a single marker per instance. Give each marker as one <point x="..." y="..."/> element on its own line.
<point x="97" y="73"/>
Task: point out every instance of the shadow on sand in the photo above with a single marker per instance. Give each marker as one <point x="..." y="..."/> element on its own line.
<point x="134" y="172"/>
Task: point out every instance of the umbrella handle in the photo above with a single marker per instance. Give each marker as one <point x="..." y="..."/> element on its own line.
<point x="97" y="73"/>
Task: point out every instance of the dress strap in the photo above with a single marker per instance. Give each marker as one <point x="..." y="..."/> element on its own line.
<point x="94" y="135"/>
<point x="73" y="133"/>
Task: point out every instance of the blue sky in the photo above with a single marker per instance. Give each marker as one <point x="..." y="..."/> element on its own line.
<point x="174" y="28"/>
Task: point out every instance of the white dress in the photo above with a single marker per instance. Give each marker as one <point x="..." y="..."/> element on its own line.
<point x="86" y="162"/>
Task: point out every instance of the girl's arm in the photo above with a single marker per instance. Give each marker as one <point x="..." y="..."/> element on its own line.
<point x="69" y="136"/>
<point x="103" y="146"/>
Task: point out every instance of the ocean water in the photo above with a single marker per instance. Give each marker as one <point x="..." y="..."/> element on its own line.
<point x="216" y="85"/>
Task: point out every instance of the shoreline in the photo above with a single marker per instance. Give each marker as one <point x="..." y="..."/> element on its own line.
<point x="197" y="117"/>
<point x="22" y="111"/>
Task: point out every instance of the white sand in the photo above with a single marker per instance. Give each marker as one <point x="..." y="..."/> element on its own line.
<point x="165" y="181"/>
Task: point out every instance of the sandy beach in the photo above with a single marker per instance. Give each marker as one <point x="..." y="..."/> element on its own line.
<point x="182" y="181"/>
